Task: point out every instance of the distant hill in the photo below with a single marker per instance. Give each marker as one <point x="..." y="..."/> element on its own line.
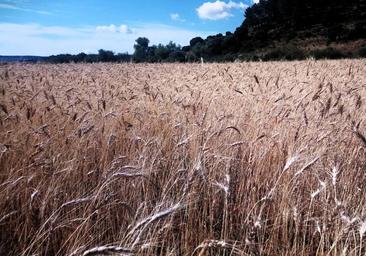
<point x="292" y="29"/>
<point x="21" y="58"/>
<point x="287" y="20"/>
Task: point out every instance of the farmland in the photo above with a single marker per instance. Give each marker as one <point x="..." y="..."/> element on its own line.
<point x="263" y="158"/>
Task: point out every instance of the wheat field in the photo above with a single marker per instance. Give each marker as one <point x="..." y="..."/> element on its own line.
<point x="183" y="159"/>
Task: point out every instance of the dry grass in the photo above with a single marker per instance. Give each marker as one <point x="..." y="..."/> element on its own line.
<point x="229" y="159"/>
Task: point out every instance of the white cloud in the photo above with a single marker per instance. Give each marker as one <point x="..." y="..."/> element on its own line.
<point x="46" y="40"/>
<point x="111" y="28"/>
<point x="124" y="29"/>
<point x="255" y="1"/>
<point x="218" y="10"/>
<point x="176" y="17"/>
<point x="16" y="8"/>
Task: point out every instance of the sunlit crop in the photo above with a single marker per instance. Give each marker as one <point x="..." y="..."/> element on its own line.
<point x="183" y="159"/>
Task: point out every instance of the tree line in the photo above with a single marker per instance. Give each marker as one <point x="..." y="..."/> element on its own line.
<point x="101" y="56"/>
<point x="271" y="30"/>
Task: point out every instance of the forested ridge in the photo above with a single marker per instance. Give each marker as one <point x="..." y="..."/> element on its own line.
<point x="274" y="27"/>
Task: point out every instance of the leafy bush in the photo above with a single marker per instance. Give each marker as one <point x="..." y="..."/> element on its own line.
<point x="362" y="52"/>
<point x="285" y="53"/>
<point x="328" y="53"/>
<point x="229" y="57"/>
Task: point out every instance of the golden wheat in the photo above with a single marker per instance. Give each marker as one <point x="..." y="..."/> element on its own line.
<point x="183" y="159"/>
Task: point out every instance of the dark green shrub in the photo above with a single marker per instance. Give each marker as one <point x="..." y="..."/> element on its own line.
<point x="362" y="52"/>
<point x="229" y="57"/>
<point x="289" y="52"/>
<point x="328" y="53"/>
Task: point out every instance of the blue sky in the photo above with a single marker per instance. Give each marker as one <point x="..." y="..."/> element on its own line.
<point x="40" y="27"/>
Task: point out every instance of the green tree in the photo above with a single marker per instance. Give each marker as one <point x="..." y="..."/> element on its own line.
<point x="162" y="52"/>
<point x="195" y="41"/>
<point x="106" y="56"/>
<point x="141" y="49"/>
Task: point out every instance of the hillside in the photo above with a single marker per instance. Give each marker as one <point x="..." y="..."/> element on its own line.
<point x="335" y="20"/>
<point x="274" y="28"/>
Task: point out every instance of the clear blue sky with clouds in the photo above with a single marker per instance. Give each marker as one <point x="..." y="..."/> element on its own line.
<point x="44" y="27"/>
